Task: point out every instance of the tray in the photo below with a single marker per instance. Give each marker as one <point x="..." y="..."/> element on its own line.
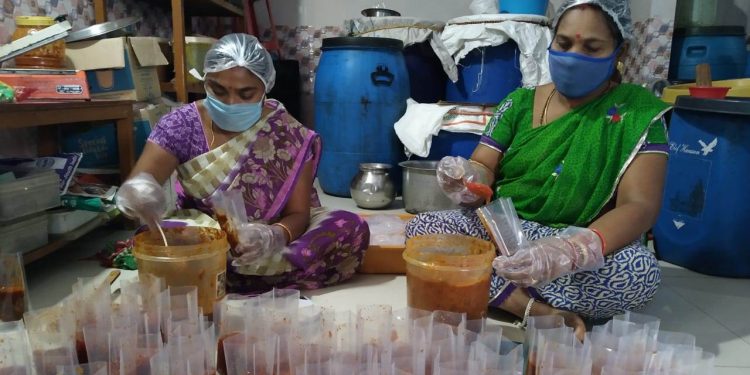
<point x="385" y="259"/>
<point x="125" y="27"/>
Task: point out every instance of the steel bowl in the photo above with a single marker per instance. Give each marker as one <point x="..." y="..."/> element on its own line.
<point x="380" y="12"/>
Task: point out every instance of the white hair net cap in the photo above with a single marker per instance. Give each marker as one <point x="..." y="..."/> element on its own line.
<point x="619" y="10"/>
<point x="241" y="50"/>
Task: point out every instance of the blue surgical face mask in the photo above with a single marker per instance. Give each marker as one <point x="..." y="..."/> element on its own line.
<point x="576" y="76"/>
<point x="233" y="117"/>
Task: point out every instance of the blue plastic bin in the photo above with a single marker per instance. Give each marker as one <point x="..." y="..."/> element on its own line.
<point x="486" y="75"/>
<point x="538" y="7"/>
<point x="427" y="77"/>
<point x="98" y="143"/>
<point x="706" y="206"/>
<point x="452" y="144"/>
<point x="361" y="88"/>
<point x="721" y="47"/>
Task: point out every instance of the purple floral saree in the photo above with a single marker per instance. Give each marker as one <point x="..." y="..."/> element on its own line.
<point x="265" y="163"/>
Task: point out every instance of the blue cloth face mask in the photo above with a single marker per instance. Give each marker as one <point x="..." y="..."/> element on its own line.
<point x="576" y="76"/>
<point x="233" y="117"/>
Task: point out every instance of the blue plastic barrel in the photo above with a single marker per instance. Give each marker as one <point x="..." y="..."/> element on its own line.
<point x="538" y="7"/>
<point x="452" y="144"/>
<point x="722" y="47"/>
<point x="361" y="88"/>
<point x="486" y="75"/>
<point x="705" y="211"/>
<point x="427" y="77"/>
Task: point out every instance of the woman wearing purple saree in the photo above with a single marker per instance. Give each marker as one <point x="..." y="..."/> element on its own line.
<point x="237" y="140"/>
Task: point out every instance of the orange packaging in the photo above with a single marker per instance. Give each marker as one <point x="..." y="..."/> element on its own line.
<point x="50" y="86"/>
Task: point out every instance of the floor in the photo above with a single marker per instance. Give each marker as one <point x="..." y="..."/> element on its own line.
<point x="714" y="309"/>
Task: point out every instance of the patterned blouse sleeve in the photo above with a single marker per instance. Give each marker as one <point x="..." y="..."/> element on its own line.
<point x="501" y="127"/>
<point x="171" y="134"/>
<point x="656" y="139"/>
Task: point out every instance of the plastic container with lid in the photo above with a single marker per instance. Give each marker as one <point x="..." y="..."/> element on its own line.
<point x="50" y="56"/>
<point x="696" y="13"/>
<point x="24" y="235"/>
<point x="449" y="272"/>
<point x="196" y="48"/>
<point x="196" y="256"/>
<point x="28" y="194"/>
<point x="66" y="220"/>
<point x="705" y="207"/>
<point x="722" y="47"/>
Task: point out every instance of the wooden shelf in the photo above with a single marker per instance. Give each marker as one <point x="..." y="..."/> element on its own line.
<point x="192" y="88"/>
<point x="56" y="242"/>
<point x="48" y="116"/>
<point x="209" y="8"/>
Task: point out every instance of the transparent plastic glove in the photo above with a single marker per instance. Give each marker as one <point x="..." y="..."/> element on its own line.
<point x="543" y="260"/>
<point x="143" y="198"/>
<point x="257" y="240"/>
<point x="453" y="174"/>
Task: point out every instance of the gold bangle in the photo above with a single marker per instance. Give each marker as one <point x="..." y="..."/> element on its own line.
<point x="286" y="229"/>
<point x="487" y="175"/>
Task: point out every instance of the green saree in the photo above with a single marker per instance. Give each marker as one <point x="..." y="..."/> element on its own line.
<point x="564" y="173"/>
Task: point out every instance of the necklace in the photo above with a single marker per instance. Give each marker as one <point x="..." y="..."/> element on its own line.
<point x="213" y="135"/>
<point x="543" y="117"/>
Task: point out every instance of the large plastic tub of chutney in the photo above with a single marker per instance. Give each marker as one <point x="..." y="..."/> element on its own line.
<point x="449" y="272"/>
<point x="196" y="256"/>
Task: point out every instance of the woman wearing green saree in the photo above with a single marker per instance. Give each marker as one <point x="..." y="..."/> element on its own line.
<point x="583" y="160"/>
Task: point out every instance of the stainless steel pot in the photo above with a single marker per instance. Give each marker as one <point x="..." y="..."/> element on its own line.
<point x="372" y="187"/>
<point x="421" y="191"/>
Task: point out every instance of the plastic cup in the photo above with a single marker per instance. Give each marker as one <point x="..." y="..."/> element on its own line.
<point x="15" y="356"/>
<point x="195" y="256"/>
<point x="14" y="299"/>
<point x="449" y="272"/>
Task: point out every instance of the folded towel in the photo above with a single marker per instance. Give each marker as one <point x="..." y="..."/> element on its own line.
<point x="420" y="122"/>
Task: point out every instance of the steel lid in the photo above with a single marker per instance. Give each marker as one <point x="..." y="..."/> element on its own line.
<point x="101" y="29"/>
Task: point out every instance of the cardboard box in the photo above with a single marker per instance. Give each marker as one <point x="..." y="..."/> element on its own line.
<point x="99" y="142"/>
<point x="119" y="68"/>
<point x="45" y="87"/>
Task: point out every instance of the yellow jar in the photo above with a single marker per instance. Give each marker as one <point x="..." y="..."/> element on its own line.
<point x="50" y="56"/>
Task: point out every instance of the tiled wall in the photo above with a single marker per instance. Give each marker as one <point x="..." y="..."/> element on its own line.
<point x="648" y="60"/>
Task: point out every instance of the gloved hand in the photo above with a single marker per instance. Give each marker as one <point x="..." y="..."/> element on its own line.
<point x="141" y="197"/>
<point x="257" y="240"/>
<point x="543" y="260"/>
<point x="453" y="172"/>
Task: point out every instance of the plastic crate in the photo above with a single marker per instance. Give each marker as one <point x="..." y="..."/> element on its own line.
<point x="29" y="194"/>
<point x="66" y="220"/>
<point x="24" y="235"/>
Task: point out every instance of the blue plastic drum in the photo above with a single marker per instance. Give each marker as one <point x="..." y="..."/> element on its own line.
<point x="361" y="88"/>
<point x="705" y="211"/>
<point x="538" y="7"/>
<point x="486" y="75"/>
<point x="722" y="47"/>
